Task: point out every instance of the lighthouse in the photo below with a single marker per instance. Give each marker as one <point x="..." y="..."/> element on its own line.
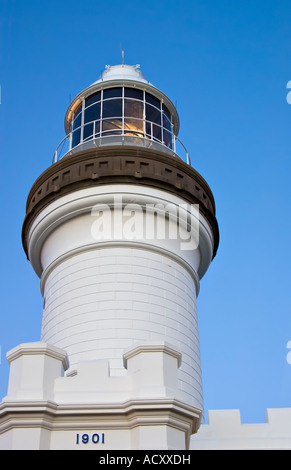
<point x="120" y="229"/>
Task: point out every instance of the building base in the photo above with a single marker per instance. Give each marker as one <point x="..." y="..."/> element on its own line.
<point x="45" y="409"/>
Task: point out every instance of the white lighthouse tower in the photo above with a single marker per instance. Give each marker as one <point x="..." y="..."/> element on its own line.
<point x="120" y="230"/>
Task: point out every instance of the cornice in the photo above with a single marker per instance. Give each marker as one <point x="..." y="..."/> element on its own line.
<point x="126" y="415"/>
<point x="115" y="165"/>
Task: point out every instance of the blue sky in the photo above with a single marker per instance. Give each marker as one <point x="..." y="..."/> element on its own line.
<point x="225" y="65"/>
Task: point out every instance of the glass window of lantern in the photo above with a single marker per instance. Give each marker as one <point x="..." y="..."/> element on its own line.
<point x="134" y="109"/>
<point x="112" y="108"/>
<point x="76" y="127"/>
<point x="153" y="122"/>
<point x="111" y="127"/>
<point x="92" y="113"/>
<point x="77" y="121"/>
<point x="134" y="127"/>
<point x="112" y="93"/>
<point x="166" y="118"/>
<point x="133" y="93"/>
<point x="152" y="100"/>
<point x="76" y="137"/>
<point x="88" y="131"/>
<point x="93" y="99"/>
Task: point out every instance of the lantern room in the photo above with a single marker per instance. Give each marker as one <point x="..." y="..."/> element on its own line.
<point x="121" y="108"/>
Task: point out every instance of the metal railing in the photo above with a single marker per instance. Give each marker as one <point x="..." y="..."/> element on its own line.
<point x="119" y="136"/>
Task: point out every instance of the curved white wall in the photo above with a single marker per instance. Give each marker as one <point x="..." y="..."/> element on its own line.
<point x="100" y="302"/>
<point x="103" y="296"/>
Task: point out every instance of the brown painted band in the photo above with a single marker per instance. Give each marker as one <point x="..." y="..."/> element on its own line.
<point x="115" y="165"/>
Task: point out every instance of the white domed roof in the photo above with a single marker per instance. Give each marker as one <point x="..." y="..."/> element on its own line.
<point x="122" y="72"/>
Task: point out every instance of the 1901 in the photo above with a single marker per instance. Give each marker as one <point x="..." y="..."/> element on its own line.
<point x="94" y="438"/>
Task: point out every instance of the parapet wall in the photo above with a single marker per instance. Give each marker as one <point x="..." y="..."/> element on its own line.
<point x="225" y="431"/>
<point x="47" y="410"/>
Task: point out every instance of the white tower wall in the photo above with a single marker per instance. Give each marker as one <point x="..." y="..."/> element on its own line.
<point x="101" y="297"/>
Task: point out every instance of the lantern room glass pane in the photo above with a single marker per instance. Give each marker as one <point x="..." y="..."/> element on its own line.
<point x="152" y="100"/>
<point x="134" y="127"/>
<point x="88" y="131"/>
<point x="112" y="108"/>
<point x="92" y="113"/>
<point x="166" y="112"/>
<point x="157" y="132"/>
<point x="78" y="111"/>
<point x="133" y="93"/>
<point x="93" y="99"/>
<point x="167" y="137"/>
<point x="153" y="114"/>
<point x="133" y="108"/>
<point x="149" y="132"/>
<point x="111" y="127"/>
<point x="76" y="137"/>
<point x="166" y="123"/>
<point x="112" y="93"/>
<point x="97" y="129"/>
<point x="153" y="131"/>
<point x="77" y="121"/>
<point x="76" y="129"/>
